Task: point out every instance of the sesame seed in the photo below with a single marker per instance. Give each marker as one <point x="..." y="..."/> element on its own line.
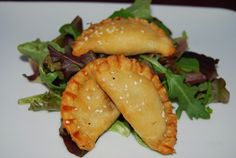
<point x="121" y="97"/>
<point x="93" y="89"/>
<point x="140" y="80"/>
<point x="109" y="31"/>
<point x="99" y="110"/>
<point x="88" y="97"/>
<point x="99" y="42"/>
<point x="85" y="38"/>
<point x="67" y="122"/>
<point x="163" y="114"/>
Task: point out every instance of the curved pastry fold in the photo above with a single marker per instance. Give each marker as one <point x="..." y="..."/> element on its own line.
<point x="106" y="87"/>
<point x="141" y="99"/>
<point x="86" y="110"/>
<point x="130" y="36"/>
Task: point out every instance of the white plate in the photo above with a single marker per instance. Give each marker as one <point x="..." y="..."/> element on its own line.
<point x="26" y="134"/>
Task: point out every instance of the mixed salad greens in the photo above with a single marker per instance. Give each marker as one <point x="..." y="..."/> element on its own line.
<point x="190" y="78"/>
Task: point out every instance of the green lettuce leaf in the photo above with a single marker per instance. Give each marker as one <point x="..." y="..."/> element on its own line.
<point x="139" y="9"/>
<point x="219" y="91"/>
<point x="36" y="50"/>
<point x="69" y="29"/>
<point x="121" y="127"/>
<point x="204" y="92"/>
<point x="139" y="139"/>
<point x="161" y="25"/>
<point x="178" y="90"/>
<point x="49" y="78"/>
<point x="188" y="64"/>
<point x="48" y="101"/>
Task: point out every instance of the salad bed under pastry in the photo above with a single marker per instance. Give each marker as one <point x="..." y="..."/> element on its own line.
<point x="97" y="88"/>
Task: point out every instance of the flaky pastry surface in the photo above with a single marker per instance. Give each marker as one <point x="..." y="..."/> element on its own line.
<point x="140" y="97"/>
<point x="86" y="111"/>
<point x="130" y="36"/>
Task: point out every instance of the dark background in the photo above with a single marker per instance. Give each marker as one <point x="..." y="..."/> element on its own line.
<point x="229" y="4"/>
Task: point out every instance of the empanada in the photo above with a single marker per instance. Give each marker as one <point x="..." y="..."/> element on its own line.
<point x="86" y="110"/>
<point x="142" y="100"/>
<point x="130" y="36"/>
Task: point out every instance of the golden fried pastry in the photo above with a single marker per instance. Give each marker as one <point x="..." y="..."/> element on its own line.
<point x="130" y="36"/>
<point x="141" y="99"/>
<point x="86" y="110"/>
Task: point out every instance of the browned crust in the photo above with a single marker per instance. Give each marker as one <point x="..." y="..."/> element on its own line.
<point x="166" y="144"/>
<point x="69" y="122"/>
<point x="88" y="33"/>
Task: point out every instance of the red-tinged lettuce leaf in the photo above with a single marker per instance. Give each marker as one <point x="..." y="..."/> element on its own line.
<point x="195" y="78"/>
<point x="70" y="64"/>
<point x="207" y="64"/>
<point x="181" y="44"/>
<point x="35" y="51"/>
<point x="35" y="69"/>
<point x="70" y="144"/>
<point x="219" y="91"/>
<point x="185" y="96"/>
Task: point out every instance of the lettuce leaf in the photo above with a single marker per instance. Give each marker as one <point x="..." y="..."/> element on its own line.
<point x="219" y="91"/>
<point x="36" y="50"/>
<point x="70" y="30"/>
<point x="178" y="90"/>
<point x="121" y="127"/>
<point x="49" y="79"/>
<point x="139" y="9"/>
<point x="188" y="64"/>
<point x="139" y="139"/>
<point x="48" y="101"/>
